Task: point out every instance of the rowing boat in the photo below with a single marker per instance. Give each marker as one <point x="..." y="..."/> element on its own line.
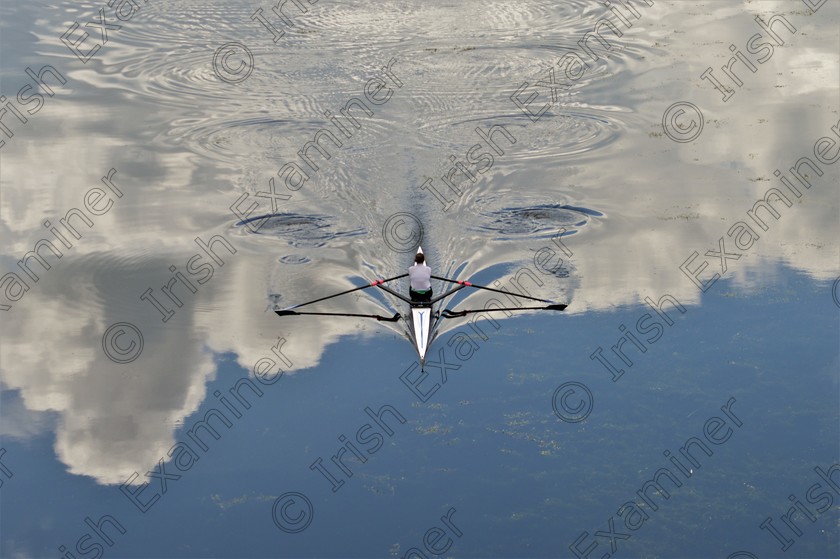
<point x="421" y="324"/>
<point x="424" y="317"/>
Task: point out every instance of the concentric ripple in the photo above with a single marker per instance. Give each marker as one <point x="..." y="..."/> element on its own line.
<point x="295" y="259"/>
<point x="536" y="222"/>
<point x="578" y="132"/>
<point x="300" y="231"/>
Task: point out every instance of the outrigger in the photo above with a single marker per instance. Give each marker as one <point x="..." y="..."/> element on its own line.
<point x="423" y="320"/>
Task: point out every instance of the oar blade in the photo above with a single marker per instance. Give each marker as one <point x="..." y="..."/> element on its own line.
<point x="447" y="313"/>
<point x="287" y="312"/>
<point x="394" y="318"/>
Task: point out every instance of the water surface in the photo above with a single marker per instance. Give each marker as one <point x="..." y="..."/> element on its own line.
<point x="592" y="204"/>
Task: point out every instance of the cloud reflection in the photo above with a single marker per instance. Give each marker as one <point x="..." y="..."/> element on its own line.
<point x="657" y="200"/>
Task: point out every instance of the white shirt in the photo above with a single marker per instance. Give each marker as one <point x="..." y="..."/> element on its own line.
<point x="421" y="277"/>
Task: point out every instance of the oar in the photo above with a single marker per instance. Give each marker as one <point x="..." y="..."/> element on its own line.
<point x="447" y="294"/>
<point x="446" y="313"/>
<point x="372" y="284"/>
<point x="468" y="284"/>
<point x="287" y="312"/>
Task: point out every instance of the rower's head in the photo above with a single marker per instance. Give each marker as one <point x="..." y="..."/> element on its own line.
<point x="419" y="258"/>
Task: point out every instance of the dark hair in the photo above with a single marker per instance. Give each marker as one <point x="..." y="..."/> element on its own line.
<point x="419" y="258"/>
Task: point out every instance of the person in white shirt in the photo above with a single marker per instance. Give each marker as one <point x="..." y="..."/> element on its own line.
<point x="420" y="276"/>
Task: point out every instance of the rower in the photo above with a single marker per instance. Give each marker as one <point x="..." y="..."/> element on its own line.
<point x="420" y="288"/>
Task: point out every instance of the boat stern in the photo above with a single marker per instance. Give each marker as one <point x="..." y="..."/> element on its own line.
<point x="421" y="323"/>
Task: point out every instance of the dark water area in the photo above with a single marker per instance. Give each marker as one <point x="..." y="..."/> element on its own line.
<point x="668" y="170"/>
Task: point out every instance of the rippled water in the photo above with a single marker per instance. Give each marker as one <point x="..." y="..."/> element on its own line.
<point x="209" y="196"/>
<point x="298" y="230"/>
<point x="537" y="222"/>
